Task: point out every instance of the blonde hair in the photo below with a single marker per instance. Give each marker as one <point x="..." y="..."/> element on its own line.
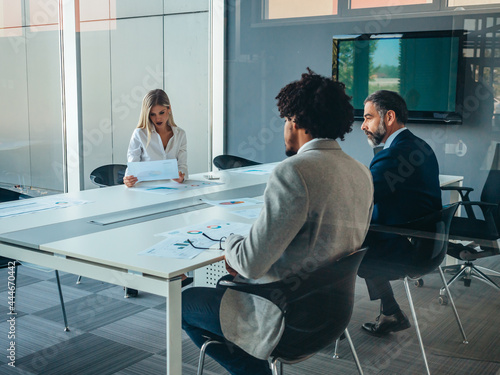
<point x="152" y="98"/>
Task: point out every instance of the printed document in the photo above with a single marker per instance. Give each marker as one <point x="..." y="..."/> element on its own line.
<point x="154" y="170"/>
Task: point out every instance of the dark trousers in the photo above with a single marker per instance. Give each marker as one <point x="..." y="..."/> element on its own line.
<point x="200" y="318"/>
<point x="385" y="260"/>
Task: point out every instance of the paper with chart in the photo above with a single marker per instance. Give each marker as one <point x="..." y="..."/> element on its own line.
<point x="184" y="243"/>
<point x="249" y="213"/>
<point x="154" y="170"/>
<point x="170" y="187"/>
<point x="26" y="206"/>
<point x="237" y="202"/>
<point x="257" y="169"/>
<point x="172" y="248"/>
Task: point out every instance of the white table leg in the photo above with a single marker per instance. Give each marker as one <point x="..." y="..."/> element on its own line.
<point x="454" y="197"/>
<point x="174" y="334"/>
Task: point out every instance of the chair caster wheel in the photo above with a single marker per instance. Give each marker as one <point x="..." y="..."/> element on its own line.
<point x="467" y="282"/>
<point x="443" y="300"/>
<point x="419" y="283"/>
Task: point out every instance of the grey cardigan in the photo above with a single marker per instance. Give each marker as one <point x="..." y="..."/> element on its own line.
<point x="317" y="208"/>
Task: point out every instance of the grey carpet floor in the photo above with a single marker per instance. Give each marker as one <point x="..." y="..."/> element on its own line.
<point x="112" y="335"/>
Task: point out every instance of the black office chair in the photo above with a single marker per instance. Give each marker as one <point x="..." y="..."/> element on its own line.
<point x="108" y="175"/>
<point x="230" y="161"/>
<point x="429" y="236"/>
<point x="483" y="232"/>
<point x="7" y="196"/>
<point x="316" y="309"/>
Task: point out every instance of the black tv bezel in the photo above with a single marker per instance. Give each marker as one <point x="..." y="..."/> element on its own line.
<point x="426" y="117"/>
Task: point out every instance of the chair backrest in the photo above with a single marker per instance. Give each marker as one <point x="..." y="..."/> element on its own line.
<point x="231" y="161"/>
<point x="7" y="195"/>
<point x="108" y="175"/>
<point x="430" y="240"/>
<point x="318" y="308"/>
<point x="491" y="188"/>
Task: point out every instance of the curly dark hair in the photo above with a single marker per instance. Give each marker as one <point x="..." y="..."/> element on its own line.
<point x="319" y="105"/>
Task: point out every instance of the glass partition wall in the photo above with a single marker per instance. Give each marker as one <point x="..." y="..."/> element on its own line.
<point x="30" y="96"/>
<point x="264" y="53"/>
<point x="126" y="47"/>
<point x="123" y="49"/>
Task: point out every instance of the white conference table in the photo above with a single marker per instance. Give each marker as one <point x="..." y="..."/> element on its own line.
<point x="67" y="239"/>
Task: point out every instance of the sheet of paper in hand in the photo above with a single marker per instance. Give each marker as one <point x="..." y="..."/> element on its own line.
<point x="154" y="170"/>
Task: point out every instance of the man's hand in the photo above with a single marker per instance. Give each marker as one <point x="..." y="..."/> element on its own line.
<point x="231" y="271"/>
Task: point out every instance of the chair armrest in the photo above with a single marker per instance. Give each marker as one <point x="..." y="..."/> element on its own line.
<point x="423" y="227"/>
<point x="457" y="188"/>
<point x="405" y="232"/>
<point x="282" y="292"/>
<point x="464" y="192"/>
<point x="488" y="213"/>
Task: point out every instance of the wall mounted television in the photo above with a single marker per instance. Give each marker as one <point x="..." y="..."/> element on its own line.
<point x="426" y="68"/>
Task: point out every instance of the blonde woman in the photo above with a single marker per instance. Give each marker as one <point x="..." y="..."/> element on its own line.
<point x="157" y="137"/>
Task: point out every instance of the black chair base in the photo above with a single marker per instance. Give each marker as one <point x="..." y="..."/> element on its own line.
<point x="467" y="271"/>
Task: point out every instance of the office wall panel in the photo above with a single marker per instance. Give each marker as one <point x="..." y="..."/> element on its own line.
<point x="14" y="123"/>
<point x="186" y="6"/>
<point x="96" y="99"/>
<point x="136" y="68"/>
<point x="44" y="101"/>
<point x="186" y="81"/>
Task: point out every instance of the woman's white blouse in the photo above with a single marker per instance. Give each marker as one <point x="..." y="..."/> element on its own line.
<point x="176" y="148"/>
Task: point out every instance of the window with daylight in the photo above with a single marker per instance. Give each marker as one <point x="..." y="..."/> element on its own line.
<point x="456" y="3"/>
<point x="276" y="9"/>
<point x="362" y="4"/>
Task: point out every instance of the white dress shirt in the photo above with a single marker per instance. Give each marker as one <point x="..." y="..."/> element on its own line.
<point x="176" y="148"/>
<point x="392" y="137"/>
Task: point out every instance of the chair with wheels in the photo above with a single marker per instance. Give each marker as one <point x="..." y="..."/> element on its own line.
<point x="7" y="196"/>
<point x="230" y="161"/>
<point x="429" y="236"/>
<point x="484" y="233"/>
<point x="108" y="175"/>
<point x="316" y="310"/>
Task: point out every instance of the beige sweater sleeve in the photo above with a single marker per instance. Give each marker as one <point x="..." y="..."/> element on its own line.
<point x="283" y="215"/>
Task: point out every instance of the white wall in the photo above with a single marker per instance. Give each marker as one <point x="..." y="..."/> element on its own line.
<point x="159" y="45"/>
<point x="128" y="47"/>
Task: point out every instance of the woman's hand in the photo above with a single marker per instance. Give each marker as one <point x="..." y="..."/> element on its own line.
<point x="129" y="181"/>
<point x="180" y="179"/>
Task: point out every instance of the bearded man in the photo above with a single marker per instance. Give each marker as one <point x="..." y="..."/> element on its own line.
<point x="406" y="187"/>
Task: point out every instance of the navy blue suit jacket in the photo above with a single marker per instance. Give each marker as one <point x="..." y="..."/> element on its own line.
<point x="406" y="181"/>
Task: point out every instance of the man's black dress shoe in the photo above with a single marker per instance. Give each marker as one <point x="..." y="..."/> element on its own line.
<point x="388" y="323"/>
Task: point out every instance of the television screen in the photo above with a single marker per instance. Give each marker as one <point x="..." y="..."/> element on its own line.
<point x="425" y="68"/>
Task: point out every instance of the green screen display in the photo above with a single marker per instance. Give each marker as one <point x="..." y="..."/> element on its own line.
<point x="423" y="70"/>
